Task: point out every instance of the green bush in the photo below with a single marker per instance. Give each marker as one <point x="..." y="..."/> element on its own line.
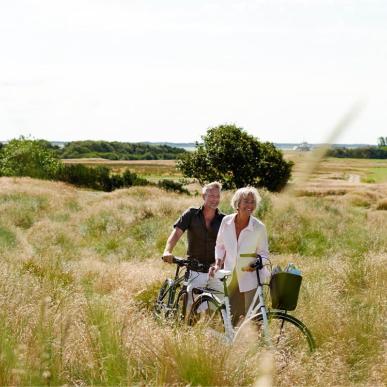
<point x="24" y="157"/>
<point x="132" y="179"/>
<point x="98" y="178"/>
<point x="170" y="185"/>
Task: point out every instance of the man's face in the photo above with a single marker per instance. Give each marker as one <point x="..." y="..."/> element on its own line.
<point x="212" y="198"/>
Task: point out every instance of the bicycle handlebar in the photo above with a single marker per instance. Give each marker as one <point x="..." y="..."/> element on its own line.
<point x="180" y="261"/>
<point x="254" y="265"/>
<point x="192" y="264"/>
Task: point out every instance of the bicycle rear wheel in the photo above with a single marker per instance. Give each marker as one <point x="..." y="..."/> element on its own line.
<point x="288" y="334"/>
<point x="208" y="313"/>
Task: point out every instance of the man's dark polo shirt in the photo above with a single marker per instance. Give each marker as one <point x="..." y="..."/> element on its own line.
<point x="201" y="241"/>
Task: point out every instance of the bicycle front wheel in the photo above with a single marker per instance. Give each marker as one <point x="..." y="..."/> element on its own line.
<point x="164" y="302"/>
<point x="208" y="313"/>
<point x="288" y="335"/>
<point x="181" y="306"/>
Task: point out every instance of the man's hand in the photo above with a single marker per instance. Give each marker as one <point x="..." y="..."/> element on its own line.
<point x="167" y="257"/>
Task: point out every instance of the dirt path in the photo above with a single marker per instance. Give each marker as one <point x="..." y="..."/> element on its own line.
<point x="352" y="178"/>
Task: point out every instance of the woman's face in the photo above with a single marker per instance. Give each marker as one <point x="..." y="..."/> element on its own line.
<point x="247" y="205"/>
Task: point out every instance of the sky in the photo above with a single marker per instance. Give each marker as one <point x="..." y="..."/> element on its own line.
<point x="151" y="70"/>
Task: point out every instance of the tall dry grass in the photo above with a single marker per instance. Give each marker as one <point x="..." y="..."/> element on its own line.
<point x="79" y="270"/>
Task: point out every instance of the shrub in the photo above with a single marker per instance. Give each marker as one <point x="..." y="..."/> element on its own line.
<point x="24" y="157"/>
<point x="131" y="179"/>
<point x="83" y="176"/>
<point x="98" y="178"/>
<point x="170" y="185"/>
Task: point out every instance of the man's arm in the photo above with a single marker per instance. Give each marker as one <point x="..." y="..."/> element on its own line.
<point x="171" y="243"/>
<point x="220" y="252"/>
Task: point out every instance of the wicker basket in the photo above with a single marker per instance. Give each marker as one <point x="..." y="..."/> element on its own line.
<point x="284" y="290"/>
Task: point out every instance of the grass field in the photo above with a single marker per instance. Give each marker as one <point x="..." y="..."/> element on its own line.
<point x="79" y="270"/>
<point x="376" y="175"/>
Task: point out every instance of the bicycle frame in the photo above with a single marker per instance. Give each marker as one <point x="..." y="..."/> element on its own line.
<point x="169" y="299"/>
<point x="178" y="280"/>
<point x="253" y="311"/>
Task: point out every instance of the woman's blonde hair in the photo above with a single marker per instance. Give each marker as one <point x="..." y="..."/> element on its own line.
<point x="243" y="193"/>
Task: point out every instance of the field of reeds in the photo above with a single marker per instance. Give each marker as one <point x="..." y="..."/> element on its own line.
<point x="79" y="271"/>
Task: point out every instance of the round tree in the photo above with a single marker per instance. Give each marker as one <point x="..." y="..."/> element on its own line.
<point x="230" y="155"/>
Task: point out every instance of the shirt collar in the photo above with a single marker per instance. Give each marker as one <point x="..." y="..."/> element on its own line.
<point x="201" y="208"/>
<point x="249" y="227"/>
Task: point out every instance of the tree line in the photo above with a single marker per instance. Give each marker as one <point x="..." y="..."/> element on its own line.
<point x="115" y="150"/>
<point x="366" y="152"/>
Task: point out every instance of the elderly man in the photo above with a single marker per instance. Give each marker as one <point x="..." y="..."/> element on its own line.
<point x="202" y="225"/>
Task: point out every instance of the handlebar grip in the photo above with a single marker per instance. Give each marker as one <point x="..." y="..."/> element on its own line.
<point x="174" y="260"/>
<point x="178" y="260"/>
<point x="258" y="263"/>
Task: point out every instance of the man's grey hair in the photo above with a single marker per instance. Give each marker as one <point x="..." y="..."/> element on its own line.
<point x="243" y="193"/>
<point x="210" y="186"/>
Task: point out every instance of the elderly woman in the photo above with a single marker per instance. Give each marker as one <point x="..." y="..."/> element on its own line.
<point x="241" y="233"/>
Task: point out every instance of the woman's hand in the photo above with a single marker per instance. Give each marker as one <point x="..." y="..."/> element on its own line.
<point x="247" y="268"/>
<point x="213" y="270"/>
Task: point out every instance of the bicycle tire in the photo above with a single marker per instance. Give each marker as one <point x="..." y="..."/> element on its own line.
<point x="208" y="313"/>
<point x="180" y="307"/>
<point x="163" y="305"/>
<point x="288" y="334"/>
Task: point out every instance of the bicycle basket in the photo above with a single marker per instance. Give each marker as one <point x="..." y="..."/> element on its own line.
<point x="284" y="290"/>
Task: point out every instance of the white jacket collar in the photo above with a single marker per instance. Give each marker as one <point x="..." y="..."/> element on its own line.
<point x="231" y="221"/>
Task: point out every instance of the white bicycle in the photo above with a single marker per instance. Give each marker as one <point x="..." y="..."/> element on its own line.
<point x="275" y="327"/>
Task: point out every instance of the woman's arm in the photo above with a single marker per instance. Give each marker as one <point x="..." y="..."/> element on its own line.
<point x="263" y="251"/>
<point x="262" y="243"/>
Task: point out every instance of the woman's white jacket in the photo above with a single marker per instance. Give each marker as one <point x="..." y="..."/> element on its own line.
<point x="252" y="239"/>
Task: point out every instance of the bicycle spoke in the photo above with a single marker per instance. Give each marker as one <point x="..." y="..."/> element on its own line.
<point x="288" y="335"/>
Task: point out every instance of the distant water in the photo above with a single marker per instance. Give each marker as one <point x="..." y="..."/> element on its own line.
<point x="191" y="146"/>
<point x="291" y="146"/>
